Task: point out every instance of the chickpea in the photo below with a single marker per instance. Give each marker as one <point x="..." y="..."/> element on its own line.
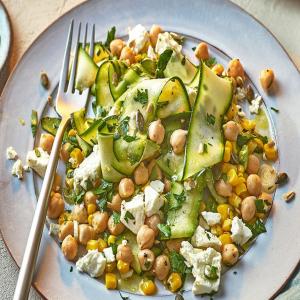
<point x="69" y="247"/>
<point x="113" y="228"/>
<point x="46" y="142"/>
<point x="145" y="237"/>
<point x="66" y="229"/>
<point x="56" y="206"/>
<point x="65" y="152"/>
<point x="174" y="244"/>
<point x="231" y="131"/>
<point x="128" y="55"/>
<point x="89" y="198"/>
<point x="178" y="140"/>
<point x="56" y="183"/>
<point x="167" y="187"/>
<point x="126" y="188"/>
<point x="254" y="185"/>
<point x="253" y="164"/>
<point x="141" y="174"/>
<point x="156" y="132"/>
<point x="218" y="69"/>
<point x="223" y="188"/>
<point x="146" y="258"/>
<point x="152" y="223"/>
<point x="99" y="221"/>
<point x="235" y="68"/>
<point x="80" y="214"/>
<point x="161" y="267"/>
<point x="154" y="32"/>
<point x="230" y="254"/>
<point x="201" y="51"/>
<point x="248" y="208"/>
<point x="266" y="78"/>
<point x="116" y="47"/>
<point x="124" y="253"/>
<point x="85" y="233"/>
<point x="115" y="203"/>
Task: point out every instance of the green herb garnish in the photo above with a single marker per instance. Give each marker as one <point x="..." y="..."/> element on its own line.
<point x="210" y="119"/>
<point x="162" y="62"/>
<point x="34" y="122"/>
<point x="141" y="97"/>
<point x="177" y="263"/>
<point x="176" y="200"/>
<point x="110" y="36"/>
<point x="116" y="218"/>
<point x="194" y="48"/>
<point x="128" y="216"/>
<point x="210" y="62"/>
<point x="212" y="274"/>
<point x="102" y="204"/>
<point x="129" y="138"/>
<point x="123" y="126"/>
<point x="165" y="230"/>
<point x="257" y="228"/>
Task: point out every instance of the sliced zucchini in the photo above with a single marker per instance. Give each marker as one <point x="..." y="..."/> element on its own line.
<point x="149" y="66"/>
<point x="180" y="66"/>
<point x="100" y="52"/>
<point x="195" y="81"/>
<point x="102" y="90"/>
<point x="79" y="121"/>
<point x="205" y="143"/>
<point x="107" y="157"/>
<point x="90" y="135"/>
<point x="50" y="124"/>
<point x="86" y="71"/>
<point x="183" y="221"/>
<point x="85" y="147"/>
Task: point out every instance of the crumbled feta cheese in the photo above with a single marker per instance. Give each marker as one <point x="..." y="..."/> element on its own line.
<point x="17" y="169"/>
<point x="255" y="105"/>
<point x="240" y="233"/>
<point x="76" y="229"/>
<point x="166" y="41"/>
<point x="88" y="170"/>
<point x="211" y="218"/>
<point x="138" y="38"/>
<point x="11" y="153"/>
<point x="37" y="160"/>
<point x="192" y="93"/>
<point x="109" y="254"/>
<point x="54" y="229"/>
<point x="26" y="168"/>
<point x="150" y="53"/>
<point x="124" y="242"/>
<point x="203" y="262"/>
<point x="157" y="185"/>
<point x="240" y="93"/>
<point x="92" y="263"/>
<point x="136" y="208"/>
<point x="241" y="113"/>
<point x="205" y="239"/>
<point x="153" y="201"/>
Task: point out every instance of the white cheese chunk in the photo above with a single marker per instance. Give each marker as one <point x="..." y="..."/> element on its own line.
<point x="153" y="201"/>
<point x="92" y="263"/>
<point x="138" y="38"/>
<point x="205" y="239"/>
<point x="17" y="169"/>
<point x="211" y="218"/>
<point x="37" y="160"/>
<point x="255" y="105"/>
<point x="157" y="185"/>
<point x="88" y="170"/>
<point x="241" y="113"/>
<point x="11" y="153"/>
<point x="240" y="93"/>
<point x="150" y="53"/>
<point x="165" y="41"/>
<point x="54" y="229"/>
<point x="135" y="207"/>
<point x="206" y="267"/>
<point x="240" y="233"/>
<point x="109" y="254"/>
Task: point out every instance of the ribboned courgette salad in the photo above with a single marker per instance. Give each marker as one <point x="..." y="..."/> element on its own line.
<point x="169" y="178"/>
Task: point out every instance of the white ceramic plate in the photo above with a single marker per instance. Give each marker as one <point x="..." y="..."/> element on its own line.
<point x="269" y="263"/>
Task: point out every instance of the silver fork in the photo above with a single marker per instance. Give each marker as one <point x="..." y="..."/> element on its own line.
<point x="68" y="100"/>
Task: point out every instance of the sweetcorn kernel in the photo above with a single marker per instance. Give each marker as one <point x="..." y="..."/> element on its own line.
<point x="174" y="282"/>
<point x="225" y="238"/>
<point x="91" y="208"/>
<point x="232" y="177"/>
<point x="226" y="226"/>
<point x="72" y="132"/>
<point x="111" y="240"/>
<point x="229" y="145"/>
<point x="123" y="267"/>
<point x="227" y="154"/>
<point x="101" y="245"/>
<point x="259" y="143"/>
<point x="251" y="146"/>
<point x="64" y="217"/>
<point x="235" y="200"/>
<point x="216" y="230"/>
<point x="248" y="124"/>
<point x="223" y="210"/>
<point x="218" y="69"/>
<point x="111" y="281"/>
<point x="240" y="189"/>
<point x="226" y="167"/>
<point x="92" y="245"/>
<point x="90" y="219"/>
<point x="271" y="151"/>
<point x="148" y="287"/>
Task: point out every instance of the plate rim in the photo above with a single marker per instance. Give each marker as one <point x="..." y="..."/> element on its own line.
<point x="35" y="40"/>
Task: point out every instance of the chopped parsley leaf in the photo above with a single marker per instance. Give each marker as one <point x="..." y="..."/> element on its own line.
<point x="177" y="263"/>
<point x="165" y="230"/>
<point x="142" y="97"/>
<point x="260" y="205"/>
<point x="210" y="119"/>
<point x="102" y="204"/>
<point x="129" y="138"/>
<point x="110" y="36"/>
<point x="257" y="228"/>
<point x="162" y="62"/>
<point x="210" y="62"/>
<point x="176" y="200"/>
<point x="212" y="274"/>
<point x="128" y="216"/>
<point x="116" y="218"/>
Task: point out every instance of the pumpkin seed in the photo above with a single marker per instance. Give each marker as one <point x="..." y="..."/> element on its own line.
<point x="139" y="119"/>
<point x="239" y="81"/>
<point x="44" y="80"/>
<point x="289" y="196"/>
<point x="150" y="108"/>
<point x="249" y="93"/>
<point x="282" y="178"/>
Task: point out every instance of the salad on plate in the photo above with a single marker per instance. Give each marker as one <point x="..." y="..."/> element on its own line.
<point x="170" y="176"/>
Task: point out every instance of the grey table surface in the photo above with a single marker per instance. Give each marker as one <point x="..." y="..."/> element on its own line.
<point x="282" y="17"/>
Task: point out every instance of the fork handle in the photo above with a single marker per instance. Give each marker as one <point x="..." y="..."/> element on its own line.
<point x="36" y="230"/>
